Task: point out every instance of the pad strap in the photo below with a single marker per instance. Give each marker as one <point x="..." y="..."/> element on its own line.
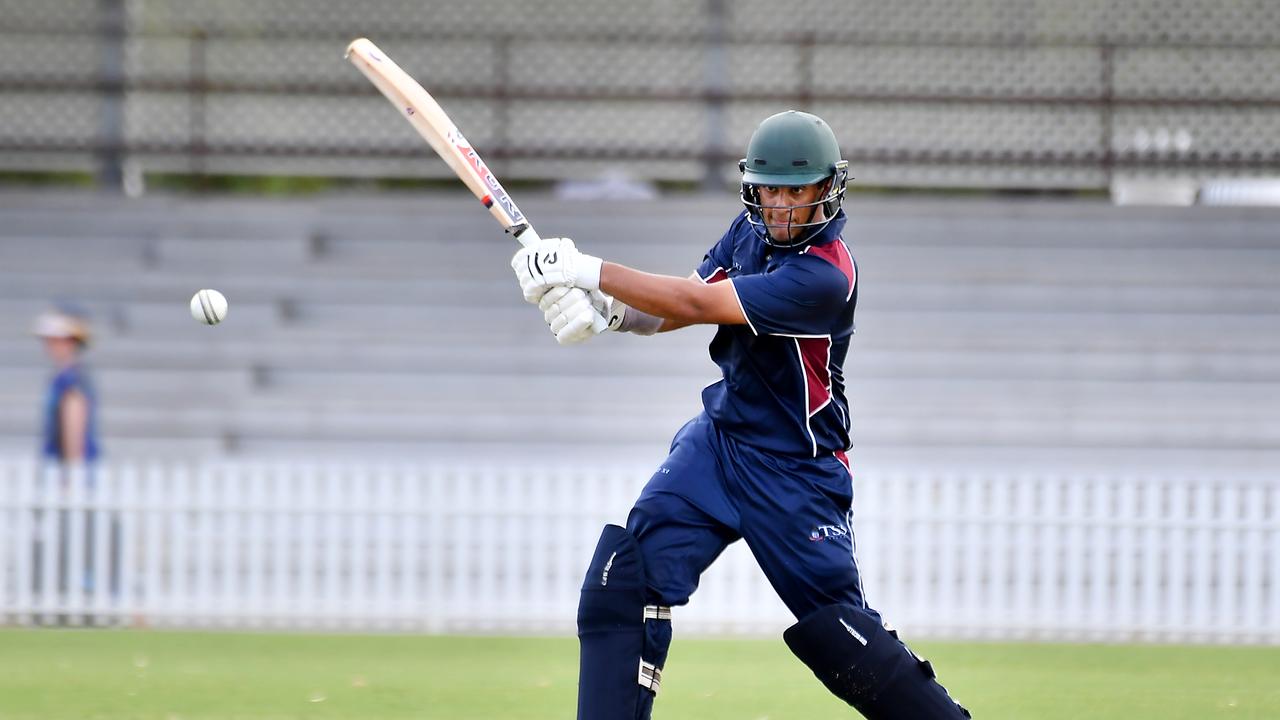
<point x="657" y="612"/>
<point x="650" y="676"/>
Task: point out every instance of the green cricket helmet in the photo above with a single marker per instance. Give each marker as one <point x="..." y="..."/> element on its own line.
<point x="793" y="149"/>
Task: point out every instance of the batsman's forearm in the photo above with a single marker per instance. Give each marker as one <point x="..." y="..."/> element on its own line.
<point x="668" y="325"/>
<point x="678" y="301"/>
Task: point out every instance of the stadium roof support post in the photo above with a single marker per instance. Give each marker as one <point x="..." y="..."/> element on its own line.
<point x="197" y="102"/>
<point x="717" y="89"/>
<point x="111" y="36"/>
<point x="1107" y="110"/>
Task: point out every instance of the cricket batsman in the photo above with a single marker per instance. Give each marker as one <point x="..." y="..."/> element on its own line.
<point x="765" y="461"/>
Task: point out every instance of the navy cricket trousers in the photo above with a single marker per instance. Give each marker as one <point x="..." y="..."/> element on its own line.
<point x="793" y="512"/>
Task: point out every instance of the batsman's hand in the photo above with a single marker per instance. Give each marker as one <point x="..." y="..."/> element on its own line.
<point x="553" y="262"/>
<point x="571" y="314"/>
<point x="566" y="312"/>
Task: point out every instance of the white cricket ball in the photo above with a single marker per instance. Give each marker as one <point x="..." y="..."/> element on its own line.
<point x="208" y="307"/>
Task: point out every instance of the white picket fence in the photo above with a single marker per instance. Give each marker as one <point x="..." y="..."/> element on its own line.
<point x="503" y="549"/>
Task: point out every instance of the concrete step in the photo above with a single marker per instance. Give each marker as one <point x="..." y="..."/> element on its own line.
<point x="253" y="284"/>
<point x="654" y="425"/>
<point x="677" y="353"/>
<point x="232" y="253"/>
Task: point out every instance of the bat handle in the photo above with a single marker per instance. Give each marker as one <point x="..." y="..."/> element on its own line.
<point x="528" y="236"/>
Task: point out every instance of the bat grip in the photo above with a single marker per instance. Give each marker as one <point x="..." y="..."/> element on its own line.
<point x="528" y="237"/>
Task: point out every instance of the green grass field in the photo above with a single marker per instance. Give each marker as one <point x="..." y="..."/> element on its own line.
<point x="141" y="675"/>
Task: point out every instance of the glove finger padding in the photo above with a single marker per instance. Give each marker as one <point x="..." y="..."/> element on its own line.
<point x="558" y="300"/>
<point x="571" y="315"/>
<point x="559" y="308"/>
<point x="576" y="328"/>
<point x="553" y="296"/>
<point x="578" y="339"/>
<point x="579" y="319"/>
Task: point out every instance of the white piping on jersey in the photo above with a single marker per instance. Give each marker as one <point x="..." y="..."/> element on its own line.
<point x="844" y="421"/>
<point x="735" y="295"/>
<point x="745" y="316"/>
<point x="853" y="546"/>
<point x="704" y="280"/>
<point x="847" y="469"/>
<point x="804" y="382"/>
<point x="852" y="287"/>
<point x="853" y="266"/>
<point x="853" y="284"/>
<point x="830" y="394"/>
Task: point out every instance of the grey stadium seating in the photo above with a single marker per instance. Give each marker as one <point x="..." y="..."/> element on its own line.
<point x="1048" y="333"/>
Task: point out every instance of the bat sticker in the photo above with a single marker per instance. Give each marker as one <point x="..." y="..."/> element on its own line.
<point x="473" y="159"/>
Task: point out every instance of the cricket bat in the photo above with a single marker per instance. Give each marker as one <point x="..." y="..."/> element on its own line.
<point x="430" y="120"/>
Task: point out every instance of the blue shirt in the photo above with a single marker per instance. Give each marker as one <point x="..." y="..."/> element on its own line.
<point x="783" y="381"/>
<point x="68" y="379"/>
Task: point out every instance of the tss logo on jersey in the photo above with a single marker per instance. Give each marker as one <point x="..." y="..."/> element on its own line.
<point x="824" y="532"/>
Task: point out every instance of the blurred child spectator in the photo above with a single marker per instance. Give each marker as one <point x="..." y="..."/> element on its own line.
<point x="70" y="427"/>
<point x="69" y="448"/>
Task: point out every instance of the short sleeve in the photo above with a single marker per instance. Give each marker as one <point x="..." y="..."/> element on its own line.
<point x="716" y="263"/>
<point x="803" y="297"/>
<point x="67" y="381"/>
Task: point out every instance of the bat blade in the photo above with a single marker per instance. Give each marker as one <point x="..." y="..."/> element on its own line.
<point x="426" y="116"/>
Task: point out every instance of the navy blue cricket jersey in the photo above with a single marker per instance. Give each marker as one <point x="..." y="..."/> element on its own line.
<point x="783" y="384"/>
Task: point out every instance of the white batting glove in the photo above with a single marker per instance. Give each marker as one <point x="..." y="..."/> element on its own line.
<point x="571" y="315"/>
<point x="554" y="262"/>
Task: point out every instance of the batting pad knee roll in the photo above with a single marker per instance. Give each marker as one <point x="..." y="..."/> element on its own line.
<point x="623" y="640"/>
<point x="862" y="663"/>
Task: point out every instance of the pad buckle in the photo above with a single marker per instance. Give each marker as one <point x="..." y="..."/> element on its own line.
<point x="650" y="676"/>
<point x="657" y="612"/>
